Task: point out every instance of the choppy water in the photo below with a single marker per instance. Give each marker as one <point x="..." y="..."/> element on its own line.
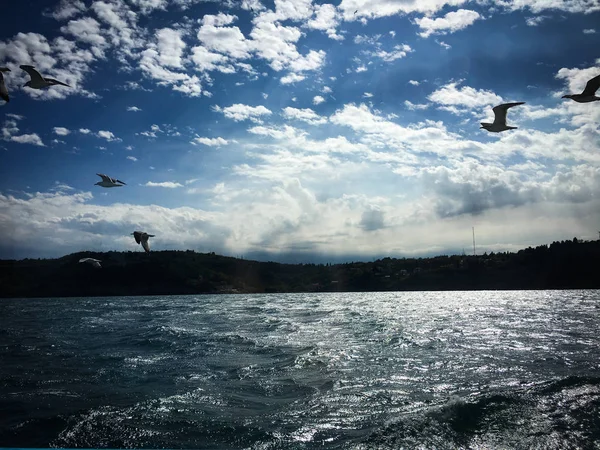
<point x="359" y="370"/>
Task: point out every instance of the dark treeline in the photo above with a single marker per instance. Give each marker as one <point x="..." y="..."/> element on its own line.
<point x="561" y="265"/>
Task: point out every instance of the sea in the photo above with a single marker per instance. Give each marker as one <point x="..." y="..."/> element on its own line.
<point x="394" y="370"/>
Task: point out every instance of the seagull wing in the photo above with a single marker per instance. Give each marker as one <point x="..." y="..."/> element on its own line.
<point x="122" y="182"/>
<point x="34" y="74"/>
<point x="82" y="260"/>
<point x="592" y="86"/>
<point x="53" y="81"/>
<point x="137" y="235"/>
<point x="501" y="110"/>
<point x="105" y="177"/>
<point x="145" y="243"/>
<point x="3" y="90"/>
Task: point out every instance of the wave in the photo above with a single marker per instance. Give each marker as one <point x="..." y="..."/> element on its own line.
<point x="558" y="414"/>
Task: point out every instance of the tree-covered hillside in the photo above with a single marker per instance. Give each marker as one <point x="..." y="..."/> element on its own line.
<point x="561" y="265"/>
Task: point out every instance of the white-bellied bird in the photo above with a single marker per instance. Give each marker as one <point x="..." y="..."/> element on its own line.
<point x="109" y="182"/>
<point x="37" y="81"/>
<point x="93" y="262"/>
<point x="141" y="237"/>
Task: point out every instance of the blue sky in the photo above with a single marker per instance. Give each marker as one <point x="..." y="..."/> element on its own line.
<point x="297" y="130"/>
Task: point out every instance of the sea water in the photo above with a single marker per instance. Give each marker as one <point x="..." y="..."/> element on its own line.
<point x="484" y="369"/>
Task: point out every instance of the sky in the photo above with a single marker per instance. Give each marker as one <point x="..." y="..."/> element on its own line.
<point x="298" y="130"/>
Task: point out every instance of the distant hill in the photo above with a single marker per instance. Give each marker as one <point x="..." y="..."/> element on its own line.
<point x="561" y="265"/>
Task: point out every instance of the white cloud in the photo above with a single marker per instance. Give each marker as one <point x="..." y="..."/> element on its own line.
<point x="147" y="6"/>
<point x="133" y="108"/>
<point x="363" y="39"/>
<point x="67" y="9"/>
<point x="239" y="112"/>
<point x="207" y="61"/>
<point x="32" y="138"/>
<point x="61" y="131"/>
<point x="535" y="21"/>
<point x="306" y="115"/>
<point x="589" y="31"/>
<point x="165" y="54"/>
<point x="317" y="100"/>
<point x="313" y="60"/>
<point x="164" y="184"/>
<point x="122" y="26"/>
<point x="87" y="30"/>
<point x="414" y="82"/>
<point x="537" y="6"/>
<point x="326" y="19"/>
<point x="360" y="69"/>
<point x="10" y="130"/>
<point x="291" y="78"/>
<point x="211" y="142"/>
<point x="276" y="44"/>
<point x="466" y="96"/>
<point x="84" y="131"/>
<point x="415" y="106"/>
<point x="108" y="135"/>
<point x="450" y="23"/>
<point x="148" y="134"/>
<point x="217" y="37"/>
<point x="219" y="20"/>
<point x="132" y="158"/>
<point x="367" y="95"/>
<point x="383" y="8"/>
<point x="399" y="51"/>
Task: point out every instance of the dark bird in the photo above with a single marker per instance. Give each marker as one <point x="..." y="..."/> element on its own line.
<point x="500" y="118"/>
<point x="355" y="11"/>
<point x="142" y="237"/>
<point x="3" y="90"/>
<point x="589" y="93"/>
<point x="39" y="82"/>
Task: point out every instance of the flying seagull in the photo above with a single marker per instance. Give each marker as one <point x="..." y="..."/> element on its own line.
<point x="142" y="237"/>
<point x="3" y="90"/>
<point x="589" y="93"/>
<point x="109" y="182"/>
<point x="500" y="118"/>
<point x="37" y="81"/>
<point x="92" y="261"/>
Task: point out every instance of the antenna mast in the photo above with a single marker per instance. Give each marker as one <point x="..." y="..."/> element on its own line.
<point x="474" y="254"/>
